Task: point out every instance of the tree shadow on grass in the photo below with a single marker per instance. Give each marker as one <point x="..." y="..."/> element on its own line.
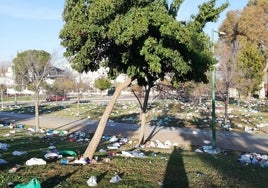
<point x="101" y="176"/>
<point x="56" y="180"/>
<point x="175" y="175"/>
<point x="154" y="131"/>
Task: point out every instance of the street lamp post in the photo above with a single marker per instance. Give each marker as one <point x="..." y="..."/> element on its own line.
<point x="213" y="86"/>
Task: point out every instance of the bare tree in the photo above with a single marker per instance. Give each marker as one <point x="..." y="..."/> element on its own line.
<point x="228" y="73"/>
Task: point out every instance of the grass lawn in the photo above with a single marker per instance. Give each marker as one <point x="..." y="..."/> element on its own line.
<point x="172" y="167"/>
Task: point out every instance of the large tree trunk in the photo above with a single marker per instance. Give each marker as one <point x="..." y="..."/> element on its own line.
<point x="36" y="102"/>
<point x="143" y="115"/>
<point x="92" y="146"/>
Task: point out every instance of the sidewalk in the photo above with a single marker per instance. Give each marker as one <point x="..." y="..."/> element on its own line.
<point x="182" y="136"/>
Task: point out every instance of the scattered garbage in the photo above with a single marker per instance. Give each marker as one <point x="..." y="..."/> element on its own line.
<point x="206" y="142"/>
<point x="10" y="184"/>
<point x="4" y="146"/>
<point x="92" y="181"/>
<point x="113" y="139"/>
<point x="158" y="144"/>
<point x="115" y="179"/>
<point x="102" y="151"/>
<point x="67" y="153"/>
<point x="207" y="149"/>
<point x="34" y="183"/>
<point x="14" y="169"/>
<point x="82" y="161"/>
<point x="254" y="158"/>
<point x="111" y="153"/>
<point x="78" y="136"/>
<point x="3" y="161"/>
<point x="52" y="156"/>
<point x="19" y="153"/>
<point x="64" y="161"/>
<point x="200" y="174"/>
<point x="106" y="160"/>
<point x="134" y="153"/>
<point x="35" y="161"/>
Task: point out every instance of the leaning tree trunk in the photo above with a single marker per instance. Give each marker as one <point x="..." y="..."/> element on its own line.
<point x="92" y="146"/>
<point x="36" y="102"/>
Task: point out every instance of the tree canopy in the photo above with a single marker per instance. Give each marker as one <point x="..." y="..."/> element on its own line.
<point x="30" y="67"/>
<point x="140" y="38"/>
<point x="102" y="83"/>
<point x="248" y="30"/>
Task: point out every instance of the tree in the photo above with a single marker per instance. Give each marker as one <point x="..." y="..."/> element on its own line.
<point x="251" y="62"/>
<point x="80" y="86"/>
<point x="31" y="68"/>
<point x="3" y="86"/>
<point x="246" y="30"/>
<point x="228" y="73"/>
<point x="145" y="49"/>
<point x="63" y="85"/>
<point x="2" y="89"/>
<point x="102" y="83"/>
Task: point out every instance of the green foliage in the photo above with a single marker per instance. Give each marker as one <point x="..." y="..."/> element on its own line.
<point x="248" y="30"/>
<point x="64" y="85"/>
<point x="251" y="62"/>
<point x="30" y="67"/>
<point x="102" y="83"/>
<point x="141" y="38"/>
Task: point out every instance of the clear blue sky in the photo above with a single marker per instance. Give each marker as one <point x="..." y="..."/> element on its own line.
<point x="35" y="24"/>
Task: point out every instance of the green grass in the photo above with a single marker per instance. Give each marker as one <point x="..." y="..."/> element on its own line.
<point x="170" y="168"/>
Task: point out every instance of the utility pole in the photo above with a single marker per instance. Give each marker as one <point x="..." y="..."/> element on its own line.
<point x="213" y="88"/>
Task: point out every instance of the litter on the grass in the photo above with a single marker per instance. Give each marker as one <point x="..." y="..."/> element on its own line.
<point x="35" y="161"/>
<point x="115" y="179"/>
<point x="92" y="181"/>
<point x="254" y="158"/>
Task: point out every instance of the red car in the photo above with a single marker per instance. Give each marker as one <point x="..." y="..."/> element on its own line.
<point x="56" y="98"/>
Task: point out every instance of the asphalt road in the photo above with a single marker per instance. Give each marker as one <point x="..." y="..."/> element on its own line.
<point x="182" y="136"/>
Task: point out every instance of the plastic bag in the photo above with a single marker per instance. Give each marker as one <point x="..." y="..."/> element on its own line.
<point x="92" y="181"/>
<point x="34" y="183"/>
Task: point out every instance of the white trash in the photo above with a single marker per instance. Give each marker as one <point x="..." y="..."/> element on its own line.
<point x="52" y="156"/>
<point x="3" y="161"/>
<point x="81" y="161"/>
<point x="35" y="161"/>
<point x="92" y="181"/>
<point x="113" y="139"/>
<point x="4" y="146"/>
<point x="115" y="179"/>
<point x="206" y="142"/>
<point x="19" y="153"/>
<point x="246" y="158"/>
<point x="52" y="147"/>
<point x="264" y="164"/>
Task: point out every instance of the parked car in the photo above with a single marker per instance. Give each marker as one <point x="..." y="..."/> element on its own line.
<point x="56" y="98"/>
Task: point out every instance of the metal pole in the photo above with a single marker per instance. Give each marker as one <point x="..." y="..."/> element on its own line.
<point x="213" y="114"/>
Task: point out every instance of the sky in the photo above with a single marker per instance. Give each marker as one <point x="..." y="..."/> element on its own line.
<point x="35" y="24"/>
